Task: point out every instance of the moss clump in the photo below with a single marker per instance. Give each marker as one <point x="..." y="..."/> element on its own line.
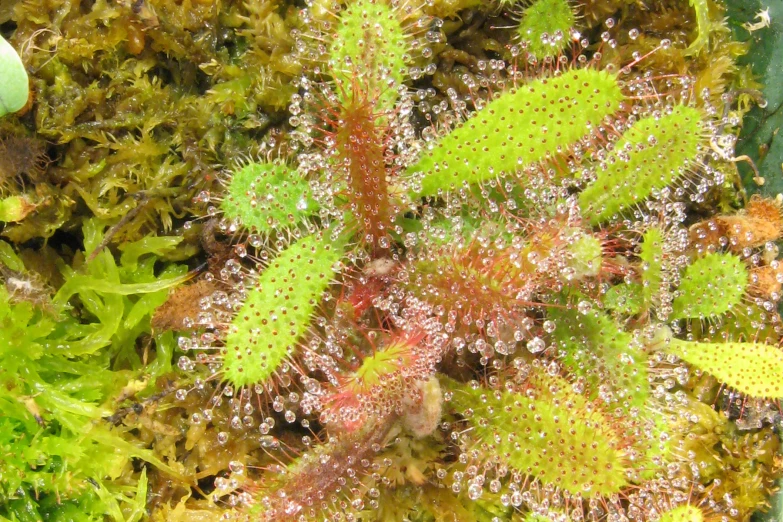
<point x="61" y="378"/>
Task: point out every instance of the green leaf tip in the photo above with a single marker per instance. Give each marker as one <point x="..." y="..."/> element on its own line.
<point x="586" y="257"/>
<point x="546" y="27"/>
<point x="654" y="152"/>
<point x="711" y="286"/>
<point x="560" y="438"/>
<point x="267" y="196"/>
<point x="15" y="87"/>
<point x="370" y="46"/>
<point x="597" y="348"/>
<point x="685" y="513"/>
<point x="651" y="256"/>
<point x="754" y="369"/>
<point x="278" y="308"/>
<point x="518" y="129"/>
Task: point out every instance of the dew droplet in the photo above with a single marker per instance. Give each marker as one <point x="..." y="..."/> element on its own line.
<point x="536" y="345"/>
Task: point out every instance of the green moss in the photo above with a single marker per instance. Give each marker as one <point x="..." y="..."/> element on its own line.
<point x="59" y="378"/>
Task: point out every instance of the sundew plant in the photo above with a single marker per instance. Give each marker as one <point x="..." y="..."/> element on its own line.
<point x="517" y="280"/>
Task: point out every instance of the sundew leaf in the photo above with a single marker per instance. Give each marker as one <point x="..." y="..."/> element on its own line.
<point x="754" y="369"/>
<point x="710" y="286"/>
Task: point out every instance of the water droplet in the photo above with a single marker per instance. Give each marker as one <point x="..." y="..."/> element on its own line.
<point x="584" y="307"/>
<point x="536" y="345"/>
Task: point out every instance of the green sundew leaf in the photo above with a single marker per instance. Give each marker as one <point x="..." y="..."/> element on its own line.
<point x="598" y="349"/>
<point x="754" y="369"/>
<point x="15" y="87"/>
<point x="370" y="53"/>
<point x="547" y="17"/>
<point x="711" y="286"/>
<point x="685" y="513"/>
<point x="653" y="153"/>
<point x="509" y="134"/>
<point x="625" y="298"/>
<point x="586" y="257"/>
<point x="651" y="255"/>
<point x="268" y="196"/>
<point x="545" y="438"/>
<point x="278" y="309"/>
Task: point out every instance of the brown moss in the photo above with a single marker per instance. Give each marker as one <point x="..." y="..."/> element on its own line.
<point x="21" y="158"/>
<point x="757" y="224"/>
<point x="182" y="307"/>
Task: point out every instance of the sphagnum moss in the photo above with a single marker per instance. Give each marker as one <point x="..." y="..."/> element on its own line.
<point x="436" y="308"/>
